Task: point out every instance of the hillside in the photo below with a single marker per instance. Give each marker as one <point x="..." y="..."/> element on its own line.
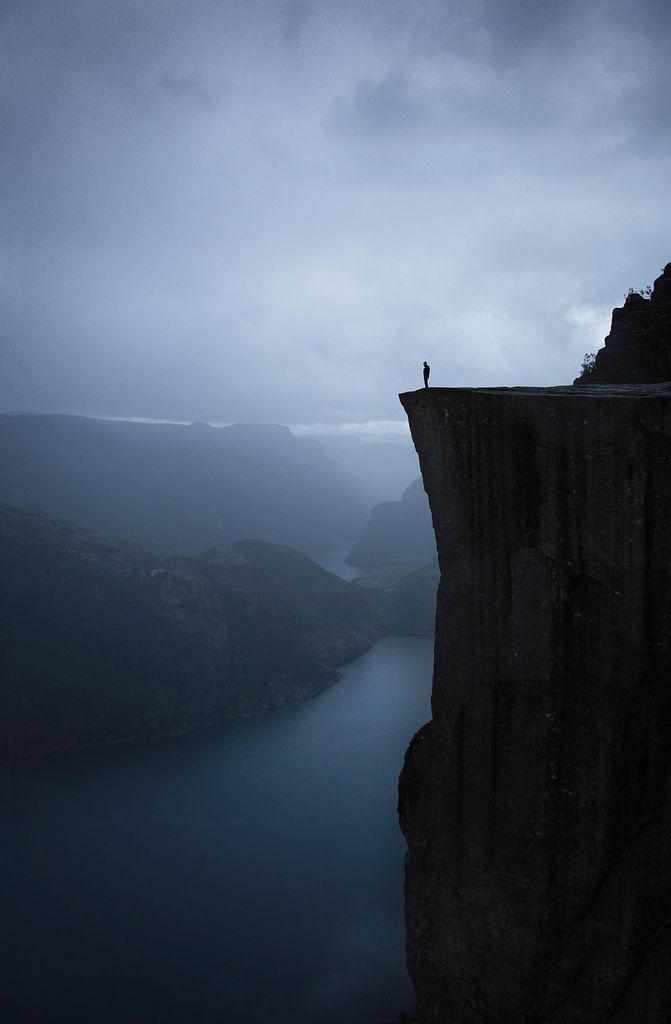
<point x="103" y="641"/>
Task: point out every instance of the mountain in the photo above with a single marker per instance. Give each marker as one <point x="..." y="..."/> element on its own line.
<point x="406" y="601"/>
<point x="290" y="621"/>
<point x="103" y="641"/>
<point x="397" y="531"/>
<point x="414" y="601"/>
<point x="179" y="488"/>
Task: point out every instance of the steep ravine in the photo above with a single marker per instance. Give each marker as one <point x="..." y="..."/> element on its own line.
<point x="536" y="803"/>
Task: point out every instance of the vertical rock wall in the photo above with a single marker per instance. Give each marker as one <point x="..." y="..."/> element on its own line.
<point x="536" y="804"/>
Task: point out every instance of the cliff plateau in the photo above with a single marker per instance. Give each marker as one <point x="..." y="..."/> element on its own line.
<point x="537" y="802"/>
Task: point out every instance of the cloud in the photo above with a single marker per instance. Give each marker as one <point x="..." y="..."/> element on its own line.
<point x="294" y="15"/>
<point x="193" y="89"/>
<point x="269" y="210"/>
<point x="379" y="107"/>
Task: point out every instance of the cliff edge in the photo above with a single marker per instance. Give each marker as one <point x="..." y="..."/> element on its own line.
<point x="536" y="803"/>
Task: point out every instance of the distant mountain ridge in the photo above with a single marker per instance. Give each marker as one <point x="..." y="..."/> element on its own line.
<point x="179" y="488"/>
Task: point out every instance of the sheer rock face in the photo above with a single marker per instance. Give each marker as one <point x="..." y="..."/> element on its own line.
<point x="536" y="803"/>
<point x="638" y="348"/>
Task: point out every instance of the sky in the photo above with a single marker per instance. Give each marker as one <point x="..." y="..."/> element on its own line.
<point x="275" y="210"/>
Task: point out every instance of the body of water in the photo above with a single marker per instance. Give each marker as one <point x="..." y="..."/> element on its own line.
<point x="251" y="873"/>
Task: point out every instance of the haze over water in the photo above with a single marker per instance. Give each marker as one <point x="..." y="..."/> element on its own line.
<point x="249" y="873"/>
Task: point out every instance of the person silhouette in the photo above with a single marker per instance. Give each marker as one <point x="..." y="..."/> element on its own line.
<point x="427" y="371"/>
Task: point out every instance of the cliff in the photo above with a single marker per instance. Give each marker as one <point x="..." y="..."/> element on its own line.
<point x="536" y="803"/>
<point x="638" y="348"/>
<point x="101" y="641"/>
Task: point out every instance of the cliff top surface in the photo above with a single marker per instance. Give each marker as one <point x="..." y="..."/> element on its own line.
<point x="661" y="390"/>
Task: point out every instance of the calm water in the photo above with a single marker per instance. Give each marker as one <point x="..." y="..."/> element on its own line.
<point x="249" y="873"/>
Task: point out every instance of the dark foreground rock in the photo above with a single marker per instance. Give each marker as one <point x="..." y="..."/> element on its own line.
<point x="537" y="802"/>
<point x="102" y="641"/>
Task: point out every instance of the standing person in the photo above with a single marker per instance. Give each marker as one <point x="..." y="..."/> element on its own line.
<point x="427" y="371"/>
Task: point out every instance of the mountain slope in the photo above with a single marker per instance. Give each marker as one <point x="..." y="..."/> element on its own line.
<point x="103" y="641"/>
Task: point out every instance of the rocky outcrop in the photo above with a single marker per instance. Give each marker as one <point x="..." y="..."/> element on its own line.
<point x="537" y="802"/>
<point x="101" y="641"/>
<point x="397" y="532"/>
<point x="638" y="348"/>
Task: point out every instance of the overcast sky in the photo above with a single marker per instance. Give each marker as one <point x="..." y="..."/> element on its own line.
<point x="276" y="209"/>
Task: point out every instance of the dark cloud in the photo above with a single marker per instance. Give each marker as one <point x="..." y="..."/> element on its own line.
<point x="294" y="15"/>
<point x="515" y="28"/>
<point x="276" y="210"/>
<point x="379" y="107"/>
<point x="193" y="89"/>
